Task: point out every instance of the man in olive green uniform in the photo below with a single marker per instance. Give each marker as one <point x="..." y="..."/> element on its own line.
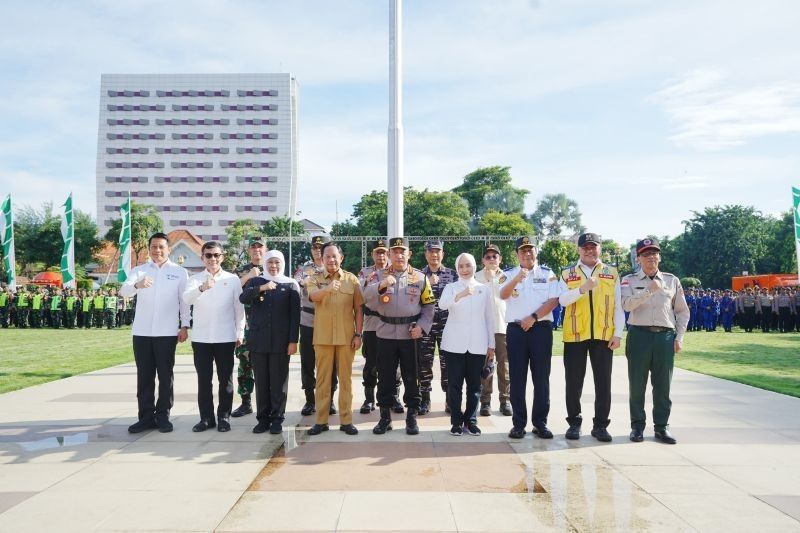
<point x="656" y="325"/>
<point x="5" y="306"/>
<point x="110" y="309"/>
<point x="98" y="305"/>
<point x="86" y="309"/>
<point x="23" y="307"/>
<point x="71" y="303"/>
<point x="55" y="306"/>
<point x="37" y="303"/>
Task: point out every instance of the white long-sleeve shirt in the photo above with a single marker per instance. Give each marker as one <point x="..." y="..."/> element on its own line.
<point x="160" y="308"/>
<point x="217" y="315"/>
<point x="470" y="322"/>
<point x="568" y="297"/>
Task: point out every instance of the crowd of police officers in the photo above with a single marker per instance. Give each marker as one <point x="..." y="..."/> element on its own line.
<point x="51" y="307"/>
<point x="774" y="310"/>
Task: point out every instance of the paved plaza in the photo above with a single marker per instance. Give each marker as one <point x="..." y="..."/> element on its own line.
<point x="67" y="463"/>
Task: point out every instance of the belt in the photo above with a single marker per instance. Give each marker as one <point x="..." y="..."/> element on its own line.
<point x="397" y="320"/>
<point x="548" y="323"/>
<point x="654" y="329"/>
<point x="309" y="310"/>
<point x="369" y="312"/>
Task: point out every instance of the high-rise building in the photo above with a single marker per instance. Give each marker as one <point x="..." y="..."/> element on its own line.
<point x="205" y="149"/>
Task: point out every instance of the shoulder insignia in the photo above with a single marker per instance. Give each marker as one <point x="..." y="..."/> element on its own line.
<point x="503" y="278"/>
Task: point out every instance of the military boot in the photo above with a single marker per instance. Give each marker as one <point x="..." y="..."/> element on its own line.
<point x="385" y="423"/>
<point x="411" y="422"/>
<point x="309" y="406"/>
<point x="245" y="409"/>
<point x="369" y="401"/>
<point x="425" y="405"/>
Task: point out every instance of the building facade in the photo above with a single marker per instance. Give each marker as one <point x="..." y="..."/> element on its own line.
<point x="204" y="149"/>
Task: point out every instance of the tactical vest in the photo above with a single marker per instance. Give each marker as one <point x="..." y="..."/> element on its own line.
<point x="111" y="303"/>
<point x="592" y="316"/>
<point x="86" y="304"/>
<point x="37" y="302"/>
<point x="98" y="302"/>
<point x="55" y="303"/>
<point x="3" y="299"/>
<point x="22" y="300"/>
<point x="71" y="302"/>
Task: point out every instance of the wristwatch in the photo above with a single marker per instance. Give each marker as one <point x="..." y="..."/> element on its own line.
<point x="357" y="335"/>
<point x="535" y="317"/>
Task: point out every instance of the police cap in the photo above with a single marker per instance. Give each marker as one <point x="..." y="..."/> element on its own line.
<point x="379" y="244"/>
<point x="318" y="240"/>
<point x="588" y="238"/>
<point x="647" y="244"/>
<point x="522" y="242"/>
<point x="398" y="242"/>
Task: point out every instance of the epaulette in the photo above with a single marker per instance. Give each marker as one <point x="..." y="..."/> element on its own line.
<point x="509" y="269"/>
<point x="545" y="268"/>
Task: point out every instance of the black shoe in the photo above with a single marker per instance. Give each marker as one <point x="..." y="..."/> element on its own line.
<point x="203" y="425"/>
<point x="398" y="406"/>
<point x="601" y="434"/>
<point x="472" y="429"/>
<point x="637" y="435"/>
<point x="142" y="425"/>
<point x="446" y="408"/>
<point x="542" y="432"/>
<point x="350" y="429"/>
<point x="456" y="431"/>
<point x="505" y="409"/>
<point x="275" y="428"/>
<point x="665" y="437"/>
<point x="164" y="425"/>
<point x="573" y="433"/>
<point x="424" y="407"/>
<point x="308" y="409"/>
<point x="411" y="423"/>
<point x="486" y="410"/>
<point x="385" y="423"/>
<point x="367" y="407"/>
<point x="332" y="410"/>
<point x="223" y="425"/>
<point x="516" y="433"/>
<point x="261" y="427"/>
<point x="245" y="409"/>
<point x="316" y="429"/>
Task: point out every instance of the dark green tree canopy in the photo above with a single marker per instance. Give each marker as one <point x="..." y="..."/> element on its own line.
<point x="555" y="215"/>
<point x="145" y="220"/>
<point x="490" y="188"/>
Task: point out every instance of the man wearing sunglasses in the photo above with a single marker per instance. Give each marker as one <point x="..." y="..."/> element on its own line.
<point x="658" y="319"/>
<point x="217" y="329"/>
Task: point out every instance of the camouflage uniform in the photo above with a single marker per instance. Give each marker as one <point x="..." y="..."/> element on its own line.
<point x="110" y="311"/>
<point x="244" y="372"/>
<point x="71" y="304"/>
<point x="23" y="305"/>
<point x="433" y="340"/>
<point x="5" y="305"/>
<point x="56" y="307"/>
<point x="98" y="303"/>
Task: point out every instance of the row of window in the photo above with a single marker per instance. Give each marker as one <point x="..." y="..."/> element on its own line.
<point x="193" y="194"/>
<point x="187" y="136"/>
<point x="192" y="121"/>
<point x="190" y="164"/>
<point x="176" y="93"/>
<point x="192" y="107"/>
<point x="191" y="179"/>
<point x="180" y="208"/>
<point x="127" y="151"/>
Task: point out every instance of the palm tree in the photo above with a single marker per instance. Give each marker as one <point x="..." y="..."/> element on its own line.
<point x="556" y="213"/>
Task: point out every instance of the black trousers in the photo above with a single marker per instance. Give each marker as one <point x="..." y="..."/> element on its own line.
<point x="601" y="357"/>
<point x="308" y="361"/>
<point x="786" y="319"/>
<point x="154" y="356"/>
<point x="206" y="354"/>
<point x="391" y="353"/>
<point x="463" y="368"/>
<point x="272" y="384"/>
<point x="532" y="351"/>
<point x="370" y="373"/>
<point x="748" y="319"/>
<point x="766" y="318"/>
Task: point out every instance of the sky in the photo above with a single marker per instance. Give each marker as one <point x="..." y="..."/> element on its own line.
<point x="641" y="111"/>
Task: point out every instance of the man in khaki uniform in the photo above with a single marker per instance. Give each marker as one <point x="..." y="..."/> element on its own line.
<point x="338" y="321"/>
<point x="657" y="322"/>
<point x="746" y="307"/>
<point x="764" y="309"/>
<point x="783" y="306"/>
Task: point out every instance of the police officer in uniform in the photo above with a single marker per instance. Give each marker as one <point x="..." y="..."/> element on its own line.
<point x="691" y="302"/>
<point x="98" y="306"/>
<point x="727" y="307"/>
<point x="5" y="306"/>
<point x="244" y="373"/>
<point x="531" y="293"/>
<point x="747" y="306"/>
<point x="764" y="308"/>
<point x="404" y="300"/>
<point x="438" y="277"/>
<point x="86" y="309"/>
<point x="593" y="326"/>
<point x="783" y="306"/>
<point x="110" y="309"/>
<point x="56" y="307"/>
<point x="23" y="307"/>
<point x="656" y="325"/>
<point x="307" y="355"/>
<point x="369" y="348"/>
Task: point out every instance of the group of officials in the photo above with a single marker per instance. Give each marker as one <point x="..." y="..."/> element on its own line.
<point x="479" y="321"/>
<point x="68" y="308"/>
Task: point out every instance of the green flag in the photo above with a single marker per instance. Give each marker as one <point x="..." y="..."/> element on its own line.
<point x="68" y="255"/>
<point x="124" y="268"/>
<point x="7" y="239"/>
<point x="796" y="195"/>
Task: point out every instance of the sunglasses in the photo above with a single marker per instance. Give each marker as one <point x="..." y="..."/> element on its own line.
<point x="214" y="256"/>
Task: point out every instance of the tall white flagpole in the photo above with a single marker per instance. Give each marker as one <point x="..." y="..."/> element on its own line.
<point x="394" y="221"/>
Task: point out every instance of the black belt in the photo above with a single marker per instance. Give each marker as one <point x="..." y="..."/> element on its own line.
<point x="397" y="320"/>
<point x="309" y="310"/>
<point x="653" y="329"/>
<point x="537" y="323"/>
<point x="369" y="312"/>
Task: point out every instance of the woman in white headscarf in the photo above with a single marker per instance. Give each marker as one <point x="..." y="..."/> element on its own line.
<point x="273" y="328"/>
<point x="467" y="342"/>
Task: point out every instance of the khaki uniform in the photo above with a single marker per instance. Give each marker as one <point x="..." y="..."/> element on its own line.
<point x="764" y="308"/>
<point x="746" y="306"/>
<point x="500" y="351"/>
<point x="783" y="306"/>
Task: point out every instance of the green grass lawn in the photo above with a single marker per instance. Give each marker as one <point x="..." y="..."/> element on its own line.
<point x="28" y="357"/>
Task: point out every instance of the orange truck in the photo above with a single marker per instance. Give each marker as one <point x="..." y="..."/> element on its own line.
<point x="769" y="281"/>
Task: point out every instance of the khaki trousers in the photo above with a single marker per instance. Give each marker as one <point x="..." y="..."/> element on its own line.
<point x="325" y="356"/>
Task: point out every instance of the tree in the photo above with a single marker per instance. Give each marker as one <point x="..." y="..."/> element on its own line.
<point x="556" y="213"/>
<point x="490" y="188"/>
<point x="496" y="223"/>
<point x="557" y="254"/>
<point x="721" y="242"/>
<point x="145" y="221"/>
<point x="235" y="248"/>
<point x="781" y="256"/>
<point x="279" y="227"/>
<point x="618" y="255"/>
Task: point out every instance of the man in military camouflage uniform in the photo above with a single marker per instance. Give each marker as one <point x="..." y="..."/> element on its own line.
<point x="307" y="354"/>
<point x="98" y="305"/>
<point x="369" y="348"/>
<point x="56" y="308"/>
<point x="244" y="372"/>
<point x="37" y="305"/>
<point x="71" y="303"/>
<point x="85" y="316"/>
<point x="110" y="308"/>
<point x="22" y="304"/>
<point x="5" y="306"/>
<point x="438" y="277"/>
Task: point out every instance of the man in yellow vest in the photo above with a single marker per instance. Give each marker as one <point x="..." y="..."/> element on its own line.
<point x="36" y="308"/>
<point x="23" y="307"/>
<point x="71" y="303"/>
<point x="593" y="326"/>
<point x="98" y="306"/>
<point x="5" y="306"/>
<point x="86" y="309"/>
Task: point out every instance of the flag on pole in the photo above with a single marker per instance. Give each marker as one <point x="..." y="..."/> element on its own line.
<point x="7" y="236"/>
<point x="124" y="268"/>
<point x="796" y="195"/>
<point x="68" y="255"/>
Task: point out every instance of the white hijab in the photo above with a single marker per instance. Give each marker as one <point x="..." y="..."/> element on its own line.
<point x="280" y="278"/>
<point x="470" y="280"/>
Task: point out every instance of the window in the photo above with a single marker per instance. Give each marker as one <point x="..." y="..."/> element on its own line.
<point x="162" y="94"/>
<point x="128" y="122"/>
<point x="256" y="179"/>
<point x="257" y="93"/>
<point x="115" y="94"/>
<point x="256" y="150"/>
<point x="241" y="164"/>
<point x="255" y="136"/>
<point x="257" y="121"/>
<point x="192" y="136"/>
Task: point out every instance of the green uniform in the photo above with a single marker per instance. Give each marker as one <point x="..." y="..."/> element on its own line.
<point x="4" y="305"/>
<point x="36" y="310"/>
<point x="56" y="305"/>
<point x="97" y="311"/>
<point x="110" y="311"/>
<point x="23" y="310"/>
<point x="71" y="306"/>
<point x="86" y="308"/>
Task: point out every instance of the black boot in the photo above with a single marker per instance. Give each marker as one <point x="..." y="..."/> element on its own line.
<point x="398" y="406"/>
<point x="369" y="401"/>
<point x="411" y="422"/>
<point x="245" y="409"/>
<point x="425" y="405"/>
<point x="385" y="423"/>
<point x="309" y="407"/>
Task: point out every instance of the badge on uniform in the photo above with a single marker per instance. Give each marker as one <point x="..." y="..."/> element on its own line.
<point x="515" y="294"/>
<point x="503" y="278"/>
<point x="386" y="298"/>
<point x="309" y="271"/>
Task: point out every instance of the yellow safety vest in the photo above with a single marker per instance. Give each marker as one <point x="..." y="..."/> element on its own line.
<point x="592" y="316"/>
<point x="98" y="302"/>
<point x="37" y="302"/>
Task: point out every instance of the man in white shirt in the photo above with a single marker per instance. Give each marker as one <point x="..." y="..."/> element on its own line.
<point x="217" y="329"/>
<point x="161" y="321"/>
<point x="593" y="325"/>
<point x="531" y="293"/>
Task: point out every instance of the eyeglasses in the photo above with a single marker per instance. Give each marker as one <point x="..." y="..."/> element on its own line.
<point x="214" y="256"/>
<point x="491" y="256"/>
<point x="649" y="254"/>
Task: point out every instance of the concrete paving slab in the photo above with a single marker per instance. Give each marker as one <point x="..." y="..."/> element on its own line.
<point x="727" y="512"/>
<point x="284" y="511"/>
<point x="369" y="511"/>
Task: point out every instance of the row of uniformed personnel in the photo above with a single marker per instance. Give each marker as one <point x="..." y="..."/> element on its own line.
<point x="69" y="308"/>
